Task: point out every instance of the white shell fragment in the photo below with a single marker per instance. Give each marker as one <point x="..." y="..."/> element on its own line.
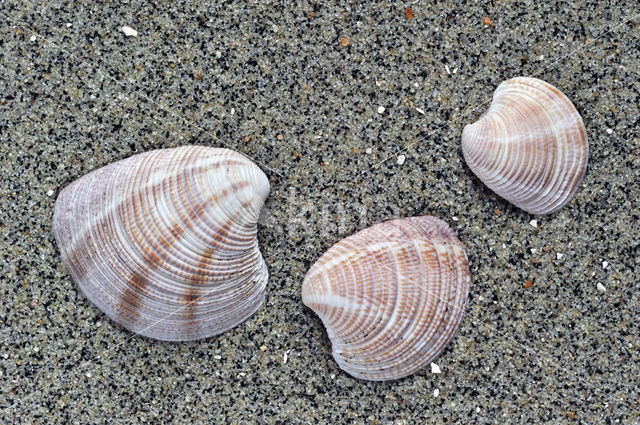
<point x="165" y="242"/>
<point x="391" y="296"/>
<point x="129" y="32"/>
<point x="530" y="146"/>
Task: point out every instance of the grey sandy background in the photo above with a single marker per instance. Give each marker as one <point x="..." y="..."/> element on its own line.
<point x="276" y="82"/>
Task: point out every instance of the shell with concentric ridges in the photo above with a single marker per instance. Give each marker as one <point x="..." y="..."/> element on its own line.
<point x="530" y="147"/>
<point x="164" y="242"/>
<point x="391" y="296"/>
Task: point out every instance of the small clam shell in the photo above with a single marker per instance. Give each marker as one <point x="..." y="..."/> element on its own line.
<point x="530" y="146"/>
<point x="165" y="242"/>
<point x="391" y="296"/>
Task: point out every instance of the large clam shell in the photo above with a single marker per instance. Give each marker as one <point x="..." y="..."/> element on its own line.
<point x="390" y="296"/>
<point x="530" y="146"/>
<point x="164" y="242"/>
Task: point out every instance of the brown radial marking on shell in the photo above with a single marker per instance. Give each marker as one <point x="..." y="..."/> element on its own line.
<point x="190" y="299"/>
<point x="237" y="187"/>
<point x="130" y="299"/>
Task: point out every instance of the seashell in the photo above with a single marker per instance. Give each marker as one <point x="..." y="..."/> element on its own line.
<point x="391" y="296"/>
<point x="164" y="242"/>
<point x="530" y="147"/>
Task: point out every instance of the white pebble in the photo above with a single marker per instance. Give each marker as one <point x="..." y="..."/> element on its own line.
<point x="218" y="55"/>
<point x="416" y="85"/>
<point x="217" y="357"/>
<point x="455" y="70"/>
<point x="609" y="131"/>
<point x="420" y="111"/>
<point x="368" y="150"/>
<point x="601" y="287"/>
<point x="604" y="264"/>
<point x="534" y="250"/>
<point x="446" y="67"/>
<point x="129" y="32"/>
<point x="477" y="410"/>
<point x="381" y="109"/>
<point x="233" y="111"/>
<point x="401" y="159"/>
<point x="88" y="375"/>
<point x="435" y="368"/>
<point x="436" y="392"/>
<point x="454" y="218"/>
<point x="33" y="38"/>
<point x="49" y="192"/>
<point x="534" y="223"/>
<point x="68" y="24"/>
<point x="559" y="256"/>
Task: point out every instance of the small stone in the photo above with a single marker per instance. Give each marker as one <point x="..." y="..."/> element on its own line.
<point x="368" y="150"/>
<point x="601" y="287"/>
<point x="233" y="111"/>
<point x="401" y="159"/>
<point x="420" y="111"/>
<point x="263" y="348"/>
<point x="50" y="192"/>
<point x="609" y="131"/>
<point x="69" y="25"/>
<point x="436" y="392"/>
<point x="534" y="223"/>
<point x="559" y="256"/>
<point x="381" y="109"/>
<point x="88" y="375"/>
<point x="345" y="41"/>
<point x="477" y="410"/>
<point x="217" y="357"/>
<point x="435" y="368"/>
<point x="218" y="55"/>
<point x="129" y="32"/>
<point x="604" y="264"/>
<point x="534" y="250"/>
<point x="454" y="218"/>
<point x="33" y="38"/>
<point x="409" y="12"/>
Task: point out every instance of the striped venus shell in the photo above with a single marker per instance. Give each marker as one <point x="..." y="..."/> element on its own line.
<point x="164" y="242"/>
<point x="530" y="147"/>
<point x="391" y="296"/>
